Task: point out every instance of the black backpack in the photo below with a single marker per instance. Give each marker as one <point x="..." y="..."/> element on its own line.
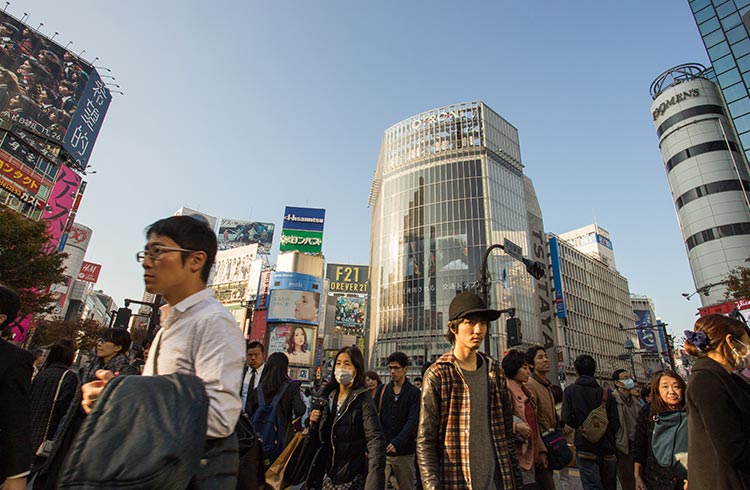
<point x="267" y="425"/>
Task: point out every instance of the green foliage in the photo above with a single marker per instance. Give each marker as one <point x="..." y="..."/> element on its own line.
<point x="27" y="264"/>
<point x="84" y="332"/>
<point x="738" y="283"/>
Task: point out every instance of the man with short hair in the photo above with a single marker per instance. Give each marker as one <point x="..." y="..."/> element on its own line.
<point x="16" y="368"/>
<point x="546" y="418"/>
<point x="398" y="406"/>
<point x="628" y="409"/>
<point x="596" y="461"/>
<point x="465" y="437"/>
<point x="253" y="370"/>
<point x="198" y="336"/>
<point x="418" y="382"/>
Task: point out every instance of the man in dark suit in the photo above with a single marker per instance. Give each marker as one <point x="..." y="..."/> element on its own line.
<point x="16" y="367"/>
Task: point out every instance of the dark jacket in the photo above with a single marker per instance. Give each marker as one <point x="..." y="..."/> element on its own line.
<point x="350" y="433"/>
<point x="16" y="367"/>
<point x="718" y="406"/>
<point x="399" y="418"/>
<point x="655" y="476"/>
<point x="43" y="390"/>
<point x="290" y="407"/>
<point x="118" y="364"/>
<point x="579" y="399"/>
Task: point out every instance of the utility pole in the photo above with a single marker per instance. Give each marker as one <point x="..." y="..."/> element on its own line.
<point x="667" y="339"/>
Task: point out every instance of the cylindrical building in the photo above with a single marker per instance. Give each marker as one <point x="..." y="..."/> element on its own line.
<point x="448" y="184"/>
<point x="707" y="175"/>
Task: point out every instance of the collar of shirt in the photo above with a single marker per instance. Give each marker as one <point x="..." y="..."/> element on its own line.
<point x="171" y="313"/>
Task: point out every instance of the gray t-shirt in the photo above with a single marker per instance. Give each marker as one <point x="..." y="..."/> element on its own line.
<point x="483" y="463"/>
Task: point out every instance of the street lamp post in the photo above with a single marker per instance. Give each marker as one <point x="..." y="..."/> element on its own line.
<point x="629" y="349"/>
<point x="667" y="339"/>
<point x="536" y="269"/>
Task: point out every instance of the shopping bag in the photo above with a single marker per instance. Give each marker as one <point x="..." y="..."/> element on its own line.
<point x="275" y="472"/>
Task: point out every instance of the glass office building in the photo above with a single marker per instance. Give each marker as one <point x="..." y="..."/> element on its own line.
<point x="724" y="27"/>
<point x="449" y="183"/>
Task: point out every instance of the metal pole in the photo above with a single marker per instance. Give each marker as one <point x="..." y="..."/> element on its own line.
<point x="632" y="367"/>
<point x="484" y="289"/>
<point x="668" y="341"/>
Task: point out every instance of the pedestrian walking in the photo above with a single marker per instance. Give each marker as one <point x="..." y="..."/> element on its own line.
<point x="198" y="337"/>
<point x="668" y="407"/>
<point x="628" y="408"/>
<point x="372" y="381"/>
<point x="398" y="406"/>
<point x="596" y="460"/>
<point x="465" y="392"/>
<point x="350" y="428"/>
<point x="16" y="369"/>
<point x="718" y="404"/>
<point x="530" y="449"/>
<point x="111" y="355"/>
<point x="547" y="418"/>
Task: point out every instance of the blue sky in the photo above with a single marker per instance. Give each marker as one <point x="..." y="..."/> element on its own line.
<point x="240" y="108"/>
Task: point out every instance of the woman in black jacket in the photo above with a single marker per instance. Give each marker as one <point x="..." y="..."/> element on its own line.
<point x="350" y="428"/>
<point x="718" y="405"/>
<point x="667" y="398"/>
<point x="52" y="392"/>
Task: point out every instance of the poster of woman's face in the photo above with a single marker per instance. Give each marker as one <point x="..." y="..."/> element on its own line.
<point x="296" y="341"/>
<point x="294" y="306"/>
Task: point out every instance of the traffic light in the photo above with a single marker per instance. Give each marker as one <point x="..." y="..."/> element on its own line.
<point x="122" y="320"/>
<point x="536" y="269"/>
<point x="513" y="331"/>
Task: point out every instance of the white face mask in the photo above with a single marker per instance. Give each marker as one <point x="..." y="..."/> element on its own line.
<point x="741" y="361"/>
<point x="344" y="376"/>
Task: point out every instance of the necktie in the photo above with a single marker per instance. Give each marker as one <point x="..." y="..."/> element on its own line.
<point x="250" y="388"/>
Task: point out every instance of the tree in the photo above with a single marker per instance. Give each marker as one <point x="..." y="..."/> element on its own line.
<point x="84" y="332"/>
<point x="28" y="266"/>
<point x="738" y="283"/>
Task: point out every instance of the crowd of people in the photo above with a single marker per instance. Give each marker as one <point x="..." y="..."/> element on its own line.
<point x="468" y="421"/>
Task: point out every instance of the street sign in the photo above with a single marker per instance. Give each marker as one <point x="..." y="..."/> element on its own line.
<point x="512" y="249"/>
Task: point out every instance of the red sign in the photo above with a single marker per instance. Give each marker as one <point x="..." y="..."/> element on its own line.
<point x="258" y="327"/>
<point x="724" y="308"/>
<point x="89" y="272"/>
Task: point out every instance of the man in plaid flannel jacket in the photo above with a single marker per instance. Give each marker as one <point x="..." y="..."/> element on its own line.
<point x="465" y="437"/>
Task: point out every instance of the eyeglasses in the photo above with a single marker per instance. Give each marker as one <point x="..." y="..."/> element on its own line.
<point x="157" y="252"/>
<point x="101" y="340"/>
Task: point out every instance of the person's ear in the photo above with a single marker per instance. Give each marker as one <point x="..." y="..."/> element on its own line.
<point x="197" y="261"/>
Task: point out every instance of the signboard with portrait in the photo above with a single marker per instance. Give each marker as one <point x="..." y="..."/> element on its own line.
<point x="298" y="342"/>
<point x="295" y="298"/>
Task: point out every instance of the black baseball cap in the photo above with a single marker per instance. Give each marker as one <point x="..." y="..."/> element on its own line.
<point x="466" y="304"/>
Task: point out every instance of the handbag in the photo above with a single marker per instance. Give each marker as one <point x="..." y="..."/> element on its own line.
<point x="558" y="452"/>
<point x="306" y="463"/>
<point x="45" y="448"/>
<point x="275" y="473"/>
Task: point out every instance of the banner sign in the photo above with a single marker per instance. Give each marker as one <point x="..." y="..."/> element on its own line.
<point x="309" y="219"/>
<point x="554" y="253"/>
<point x="301" y="241"/>
<point x="61" y="201"/>
<point x="89" y="272"/>
<point x="347" y="278"/>
<point x="645" y="330"/>
<point x="294" y="298"/>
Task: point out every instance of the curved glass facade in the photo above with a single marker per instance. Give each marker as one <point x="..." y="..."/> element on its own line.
<point x="448" y="184"/>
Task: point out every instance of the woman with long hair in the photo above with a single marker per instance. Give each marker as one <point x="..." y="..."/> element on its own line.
<point x="296" y="343"/>
<point x="350" y="428"/>
<point x="372" y="381"/>
<point x="668" y="408"/>
<point x="718" y="404"/>
<point x="275" y="377"/>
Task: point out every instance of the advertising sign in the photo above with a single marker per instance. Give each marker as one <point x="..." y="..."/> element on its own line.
<point x="89" y="272"/>
<point x="298" y="342"/>
<point x="643" y="325"/>
<point x="236" y="233"/>
<point x="554" y="253"/>
<point x="350" y="312"/>
<point x="309" y="219"/>
<point x="301" y="241"/>
<point x="294" y="298"/>
<point x="234" y="265"/>
<point x="17" y="175"/>
<point x="50" y="90"/>
<point x="61" y="201"/>
<point x="347" y="278"/>
<point x="263" y="285"/>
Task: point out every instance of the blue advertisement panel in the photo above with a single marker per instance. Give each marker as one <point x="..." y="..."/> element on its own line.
<point x="662" y="339"/>
<point x="294" y="298"/>
<point x="602" y="240"/>
<point x="309" y="219"/>
<point x="554" y="253"/>
<point x="645" y="330"/>
<point x="87" y="120"/>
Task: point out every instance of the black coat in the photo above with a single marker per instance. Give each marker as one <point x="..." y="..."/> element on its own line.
<point x="579" y="399"/>
<point x="16" y="367"/>
<point x="290" y="407"/>
<point x="655" y="476"/>
<point x="43" y="390"/>
<point x="718" y="405"/>
<point x="350" y="434"/>
<point x="399" y="418"/>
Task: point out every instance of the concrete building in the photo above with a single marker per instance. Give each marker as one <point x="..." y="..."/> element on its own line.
<point x="707" y="174"/>
<point x="593" y="240"/>
<point x="650" y="335"/>
<point x="449" y="183"/>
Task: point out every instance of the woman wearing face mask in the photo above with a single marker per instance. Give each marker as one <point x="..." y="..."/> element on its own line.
<point x="668" y="407"/>
<point x="718" y="404"/>
<point x="350" y="428"/>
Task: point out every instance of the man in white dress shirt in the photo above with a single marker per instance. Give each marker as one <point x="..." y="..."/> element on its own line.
<point x="198" y="336"/>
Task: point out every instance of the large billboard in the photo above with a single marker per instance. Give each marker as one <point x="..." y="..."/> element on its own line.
<point x="350" y="312"/>
<point x="298" y="342"/>
<point x="233" y="265"/>
<point x="237" y="233"/>
<point x="347" y="278"/>
<point x="310" y="219"/>
<point x="294" y="298"/>
<point x="61" y="201"/>
<point x="302" y="230"/>
<point x="49" y="90"/>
